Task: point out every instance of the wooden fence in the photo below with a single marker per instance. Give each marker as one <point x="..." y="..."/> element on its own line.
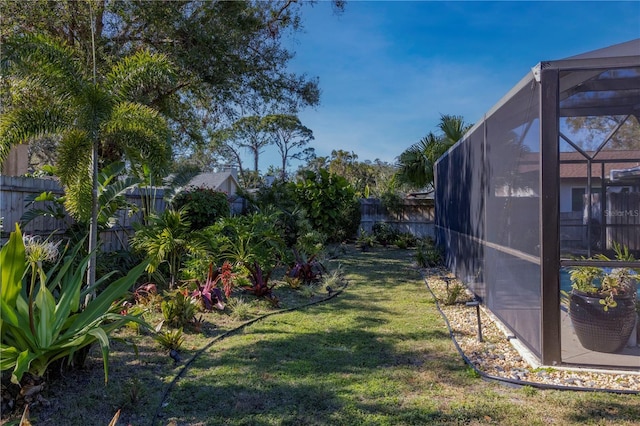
<point x="623" y="219"/>
<point x="15" y="193"/>
<point x="621" y="223"/>
<point x="414" y="216"/>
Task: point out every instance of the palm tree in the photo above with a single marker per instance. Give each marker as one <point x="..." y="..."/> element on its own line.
<point x="95" y="118"/>
<point x="416" y="163"/>
<point x="167" y="238"/>
<point x="453" y="128"/>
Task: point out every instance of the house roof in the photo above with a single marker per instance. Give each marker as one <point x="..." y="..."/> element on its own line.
<point x="579" y="170"/>
<point x="573" y="164"/>
<point x="212" y="180"/>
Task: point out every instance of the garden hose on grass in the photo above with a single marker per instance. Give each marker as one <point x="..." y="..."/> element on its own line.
<point x="514" y="382"/>
<point x="228" y="333"/>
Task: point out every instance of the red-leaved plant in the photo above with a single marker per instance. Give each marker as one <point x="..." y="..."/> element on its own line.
<point x="209" y="293"/>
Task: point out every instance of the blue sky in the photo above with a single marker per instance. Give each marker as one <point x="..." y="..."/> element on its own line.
<point x="388" y="69"/>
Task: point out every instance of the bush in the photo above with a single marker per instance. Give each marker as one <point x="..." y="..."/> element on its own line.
<point x="204" y="206"/>
<point x="405" y="240"/>
<point x="252" y="243"/>
<point x="330" y="203"/>
<point x="428" y="255"/>
<point x="47" y="322"/>
<point x="280" y="199"/>
<point x="365" y="240"/>
<point x="178" y="308"/>
<point x="384" y="233"/>
<point x="453" y="292"/>
<point x="118" y="262"/>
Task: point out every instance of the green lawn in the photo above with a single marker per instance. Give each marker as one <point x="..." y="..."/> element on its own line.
<point x="377" y="354"/>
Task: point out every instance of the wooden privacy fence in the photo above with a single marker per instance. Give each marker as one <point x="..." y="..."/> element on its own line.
<point x="617" y="222"/>
<point x="622" y="218"/>
<point x="16" y="191"/>
<point x="414" y="216"/>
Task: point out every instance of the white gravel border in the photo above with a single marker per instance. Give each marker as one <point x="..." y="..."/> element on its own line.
<point x="501" y="355"/>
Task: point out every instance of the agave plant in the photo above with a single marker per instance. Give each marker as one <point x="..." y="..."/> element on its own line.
<point x="46" y="322"/>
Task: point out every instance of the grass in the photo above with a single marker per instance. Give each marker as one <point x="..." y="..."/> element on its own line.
<point x="377" y="354"/>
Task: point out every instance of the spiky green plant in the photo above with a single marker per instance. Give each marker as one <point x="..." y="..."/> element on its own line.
<point x="46" y="322"/>
<point x="170" y="339"/>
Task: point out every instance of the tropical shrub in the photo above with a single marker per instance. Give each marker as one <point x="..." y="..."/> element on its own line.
<point x="428" y="255"/>
<point x="405" y="240"/>
<point x="393" y="201"/>
<point x="203" y="205"/>
<point x="330" y="204"/>
<point x="281" y="199"/>
<point x="240" y="309"/>
<point x="178" y="308"/>
<point x="167" y="238"/>
<point x="118" y="261"/>
<point x="384" y="233"/>
<point x="311" y="242"/>
<point x="170" y="339"/>
<point x="305" y="270"/>
<point x="44" y="321"/>
<point x="365" y="240"/>
<point x="209" y="294"/>
<point x="252" y="243"/>
<point x="279" y="194"/>
<point x="147" y="295"/>
<point x="453" y="292"/>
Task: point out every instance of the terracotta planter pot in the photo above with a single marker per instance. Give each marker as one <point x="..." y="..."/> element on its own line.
<point x="600" y="330"/>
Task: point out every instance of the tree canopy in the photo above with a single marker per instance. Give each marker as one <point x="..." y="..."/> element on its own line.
<point x="226" y="52"/>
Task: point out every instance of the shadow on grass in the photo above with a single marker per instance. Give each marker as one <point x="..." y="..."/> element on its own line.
<point x="324" y="376"/>
<point x="597" y="412"/>
<point x="81" y="394"/>
<point x="328" y="364"/>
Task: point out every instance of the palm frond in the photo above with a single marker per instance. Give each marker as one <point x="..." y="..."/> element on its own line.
<point x="143" y="135"/>
<point x="94" y="106"/>
<point x="24" y="124"/>
<point x="110" y="173"/>
<point x="141" y="77"/>
<point x="51" y="60"/>
<point x="79" y="198"/>
<point x="111" y="196"/>
<point x="452" y="127"/>
<point x="175" y="183"/>
<point x="74" y="171"/>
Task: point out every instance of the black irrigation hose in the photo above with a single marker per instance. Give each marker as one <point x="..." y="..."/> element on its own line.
<point x="233" y="331"/>
<point x="514" y="382"/>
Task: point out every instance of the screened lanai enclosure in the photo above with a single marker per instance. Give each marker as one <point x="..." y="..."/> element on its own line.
<point x="546" y="184"/>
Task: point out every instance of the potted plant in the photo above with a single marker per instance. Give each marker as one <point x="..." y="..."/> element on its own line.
<point x="602" y="304"/>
